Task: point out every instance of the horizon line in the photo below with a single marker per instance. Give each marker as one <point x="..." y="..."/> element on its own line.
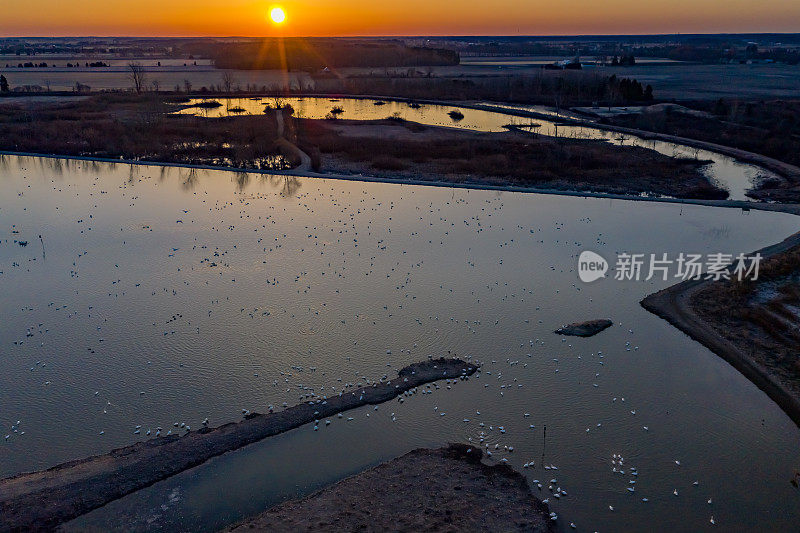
<point x="395" y="36"/>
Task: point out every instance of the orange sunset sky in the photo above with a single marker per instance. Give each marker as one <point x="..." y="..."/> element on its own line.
<point x="407" y="17"/>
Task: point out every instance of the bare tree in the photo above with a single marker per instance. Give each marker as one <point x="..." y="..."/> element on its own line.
<point x="137" y="76"/>
<point x="228" y="81"/>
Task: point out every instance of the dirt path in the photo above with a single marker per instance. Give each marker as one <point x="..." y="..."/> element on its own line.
<point x="42" y="500"/>
<point x="674" y="305"/>
<point x="305" y="159"/>
<point x="448" y="489"/>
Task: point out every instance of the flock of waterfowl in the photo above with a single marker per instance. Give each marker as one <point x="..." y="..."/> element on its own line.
<point x="166" y="301"/>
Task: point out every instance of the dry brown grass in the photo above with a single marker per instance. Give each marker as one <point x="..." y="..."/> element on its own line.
<point x="515" y="160"/>
<point x="141" y="128"/>
<point x="764" y="328"/>
<point x="383" y="162"/>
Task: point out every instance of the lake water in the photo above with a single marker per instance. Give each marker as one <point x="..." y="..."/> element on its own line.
<point x="164" y="295"/>
<point x="737" y="178"/>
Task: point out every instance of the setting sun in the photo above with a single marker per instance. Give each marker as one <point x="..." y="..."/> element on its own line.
<point x="324" y="164"/>
<point x="277" y="15"/>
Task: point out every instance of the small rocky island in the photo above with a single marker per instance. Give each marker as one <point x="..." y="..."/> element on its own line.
<point x="446" y="489"/>
<point x="585" y="329"/>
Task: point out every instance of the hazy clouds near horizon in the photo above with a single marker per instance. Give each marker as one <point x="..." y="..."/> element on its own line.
<point x="413" y="17"/>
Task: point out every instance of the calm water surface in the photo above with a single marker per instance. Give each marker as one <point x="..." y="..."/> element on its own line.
<point x="161" y="296"/>
<point x="737" y="178"/>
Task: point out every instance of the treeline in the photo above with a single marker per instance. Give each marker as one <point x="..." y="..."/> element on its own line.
<point x="314" y="54"/>
<point x="92" y="46"/>
<point x="631" y="90"/>
<point x="625" y="60"/>
<point x="29" y="64"/>
<point x="502" y="48"/>
<point x="558" y="88"/>
<point x="721" y="52"/>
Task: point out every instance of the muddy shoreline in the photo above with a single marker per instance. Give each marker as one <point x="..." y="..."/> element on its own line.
<point x="445" y="489"/>
<point x="41" y="500"/>
<point x="741" y="204"/>
<point x="674" y="304"/>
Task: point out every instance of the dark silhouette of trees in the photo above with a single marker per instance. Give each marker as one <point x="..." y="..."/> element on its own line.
<point x="315" y="54"/>
<point x="137" y="76"/>
<point x="632" y="91"/>
<point x="625" y="60"/>
<point x="228" y="81"/>
<point x="627" y="90"/>
<point x="3" y="84"/>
